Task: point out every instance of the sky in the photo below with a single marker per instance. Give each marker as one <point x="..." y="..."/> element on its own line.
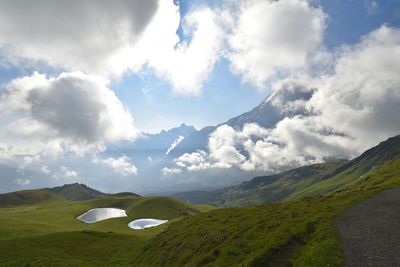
<point x="77" y="77"/>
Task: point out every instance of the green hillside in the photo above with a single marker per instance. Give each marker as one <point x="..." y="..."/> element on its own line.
<point x="317" y="179"/>
<point x="354" y="170"/>
<point x="273" y="188"/>
<point x="65" y="241"/>
<point x="294" y="233"/>
<point x="28" y="197"/>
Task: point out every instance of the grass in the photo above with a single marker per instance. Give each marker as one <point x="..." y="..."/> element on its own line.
<point x="284" y="186"/>
<point x="48" y="233"/>
<point x="295" y="233"/>
<point x="299" y="232"/>
<point x="84" y="248"/>
<point x="28" y="197"/>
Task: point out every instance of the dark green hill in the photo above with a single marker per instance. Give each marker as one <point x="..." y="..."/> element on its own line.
<point x="27" y="197"/>
<point x="77" y="192"/>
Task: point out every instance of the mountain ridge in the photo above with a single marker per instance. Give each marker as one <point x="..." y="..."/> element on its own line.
<point x="266" y="114"/>
<point x="76" y="191"/>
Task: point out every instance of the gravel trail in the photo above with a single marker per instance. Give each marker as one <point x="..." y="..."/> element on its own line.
<point x="370" y="232"/>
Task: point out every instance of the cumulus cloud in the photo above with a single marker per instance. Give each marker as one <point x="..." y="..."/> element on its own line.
<point x="187" y="63"/>
<point x="78" y="35"/>
<point x="22" y="181"/>
<point x="121" y="165"/>
<point x="274" y="38"/>
<point x="68" y="173"/>
<point x="71" y="112"/>
<point x="362" y="97"/>
<point x="252" y="148"/>
<point x="344" y="113"/>
<point x="169" y="171"/>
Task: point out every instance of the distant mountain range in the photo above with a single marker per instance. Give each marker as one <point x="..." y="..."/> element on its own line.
<point x="317" y="179"/>
<point x="156" y="143"/>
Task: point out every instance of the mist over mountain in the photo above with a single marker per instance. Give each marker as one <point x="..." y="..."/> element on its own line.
<point x="267" y="114"/>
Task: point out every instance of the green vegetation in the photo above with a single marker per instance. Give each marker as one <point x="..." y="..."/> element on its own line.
<point x="294" y="233"/>
<point x="28" y="197"/>
<point x="279" y="187"/>
<point x="84" y="248"/>
<point x="48" y="233"/>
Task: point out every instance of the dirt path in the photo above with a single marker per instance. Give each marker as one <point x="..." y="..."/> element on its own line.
<point x="370" y="232"/>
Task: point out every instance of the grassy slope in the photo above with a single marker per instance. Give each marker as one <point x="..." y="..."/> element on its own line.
<point x="28" y="197"/>
<point x="273" y="188"/>
<point x="300" y="233"/>
<point x="47" y="234"/>
<point x="354" y="170"/>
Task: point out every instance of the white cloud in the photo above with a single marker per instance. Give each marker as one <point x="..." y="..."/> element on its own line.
<point x="45" y="169"/>
<point x="68" y="173"/>
<point x="185" y="64"/>
<point x="169" y="171"/>
<point x="274" y="38"/>
<point x="22" y="181"/>
<point x="195" y="161"/>
<point x="175" y="143"/>
<point x="121" y="165"/>
<point x="29" y="159"/>
<point x="362" y="97"/>
<point x="89" y="35"/>
<point x="73" y="112"/>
